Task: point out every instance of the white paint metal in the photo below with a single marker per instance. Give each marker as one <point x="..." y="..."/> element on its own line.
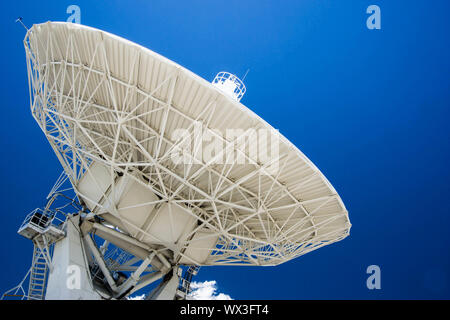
<point x="167" y="289"/>
<point x="68" y="254"/>
<point x="108" y="108"/>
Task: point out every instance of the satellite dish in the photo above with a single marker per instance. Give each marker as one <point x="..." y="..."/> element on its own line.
<point x="170" y="168"/>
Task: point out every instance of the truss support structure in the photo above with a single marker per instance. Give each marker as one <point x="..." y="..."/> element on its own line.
<point x="228" y="187"/>
<point x="78" y="256"/>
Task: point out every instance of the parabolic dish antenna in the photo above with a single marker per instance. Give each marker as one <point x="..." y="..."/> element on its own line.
<point x="171" y="162"/>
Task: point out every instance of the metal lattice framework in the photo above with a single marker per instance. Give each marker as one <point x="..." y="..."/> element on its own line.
<point x="103" y="101"/>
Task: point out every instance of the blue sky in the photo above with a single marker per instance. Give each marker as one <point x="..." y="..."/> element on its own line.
<point x="369" y="107"/>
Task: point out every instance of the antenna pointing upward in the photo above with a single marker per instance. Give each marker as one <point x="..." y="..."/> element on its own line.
<point x="245" y="74"/>
<point x="19" y="19"/>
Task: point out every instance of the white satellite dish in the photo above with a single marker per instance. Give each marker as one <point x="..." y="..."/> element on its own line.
<point x="171" y="169"/>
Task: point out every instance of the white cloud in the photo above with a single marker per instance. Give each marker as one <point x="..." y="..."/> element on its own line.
<point x="141" y="297"/>
<point x="206" y="290"/>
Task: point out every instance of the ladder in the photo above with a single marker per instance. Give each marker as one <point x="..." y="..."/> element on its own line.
<point x="38" y="275"/>
<point x="185" y="282"/>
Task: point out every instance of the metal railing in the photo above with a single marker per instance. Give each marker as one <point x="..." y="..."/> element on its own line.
<point x="230" y="84"/>
<point x="42" y="219"/>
